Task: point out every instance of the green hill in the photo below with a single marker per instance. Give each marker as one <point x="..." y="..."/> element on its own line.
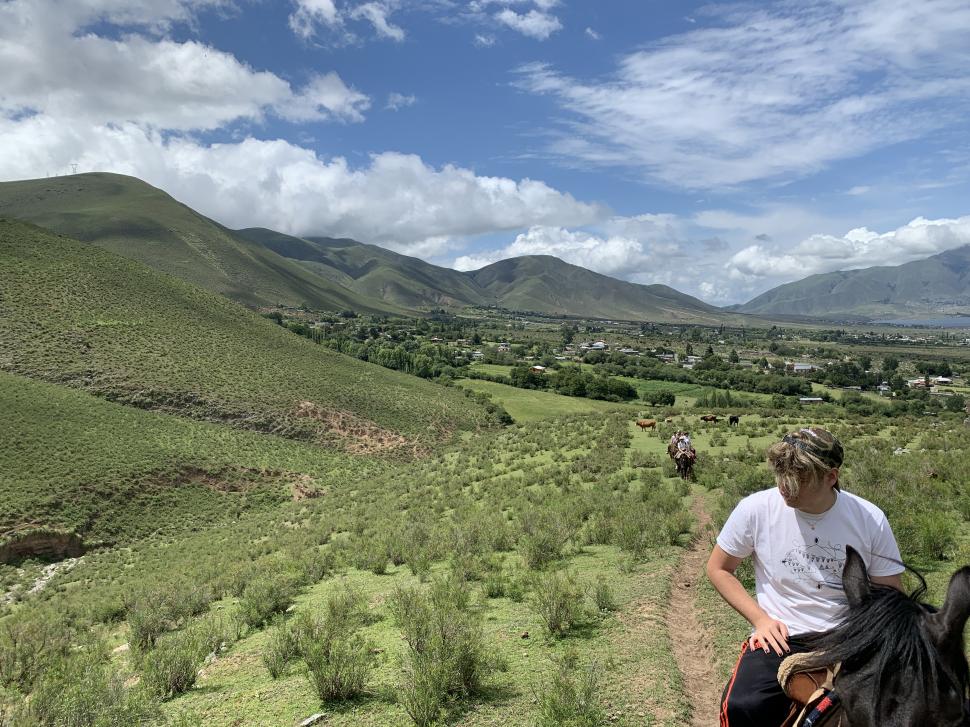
<point x="924" y="288"/>
<point x="258" y="267"/>
<point x="76" y="314"/>
<point x="106" y="472"/>
<point x="547" y="284"/>
<point x="374" y="271"/>
<point x="134" y="219"/>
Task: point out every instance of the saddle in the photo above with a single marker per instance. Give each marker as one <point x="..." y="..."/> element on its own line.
<point x="813" y="692"/>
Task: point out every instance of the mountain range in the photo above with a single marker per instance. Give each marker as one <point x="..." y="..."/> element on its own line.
<point x="260" y="267"/>
<point x="921" y="289"/>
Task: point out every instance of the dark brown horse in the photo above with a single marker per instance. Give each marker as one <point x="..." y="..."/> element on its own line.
<point x="902" y="661"/>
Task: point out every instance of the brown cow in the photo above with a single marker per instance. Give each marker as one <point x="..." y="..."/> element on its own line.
<point x="709" y="418"/>
<point x="646" y="424"/>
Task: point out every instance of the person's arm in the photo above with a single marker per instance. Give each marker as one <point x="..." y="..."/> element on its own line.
<point x="896" y="581"/>
<point x="768" y="631"/>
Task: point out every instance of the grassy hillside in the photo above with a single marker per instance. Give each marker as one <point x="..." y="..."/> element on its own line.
<point x="107" y="472"/>
<point x="134" y="219"/>
<point x="923" y="288"/>
<point x="375" y="271"/>
<point x="547" y="284"/>
<point x="82" y="316"/>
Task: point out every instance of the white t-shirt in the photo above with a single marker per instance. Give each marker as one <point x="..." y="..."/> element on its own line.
<point x="798" y="557"/>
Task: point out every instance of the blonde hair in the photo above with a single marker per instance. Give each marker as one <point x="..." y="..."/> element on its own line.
<point x="804" y="456"/>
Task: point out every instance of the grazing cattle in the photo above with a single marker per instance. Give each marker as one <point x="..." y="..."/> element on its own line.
<point x="669" y="420"/>
<point x="646" y="424"/>
<point x="709" y="418"/>
<point x="734" y="420"/>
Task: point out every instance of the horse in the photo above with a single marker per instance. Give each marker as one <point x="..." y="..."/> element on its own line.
<point x="646" y="424"/>
<point x="709" y="418"/>
<point x="685" y="466"/>
<point x="902" y="661"/>
<point x="734" y="420"/>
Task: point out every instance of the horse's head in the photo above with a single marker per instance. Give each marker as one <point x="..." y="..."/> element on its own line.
<point x="903" y="663"/>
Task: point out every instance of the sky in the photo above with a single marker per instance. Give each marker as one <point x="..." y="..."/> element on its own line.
<point x="720" y="148"/>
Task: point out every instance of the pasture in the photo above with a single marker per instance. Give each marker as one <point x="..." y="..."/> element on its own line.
<point x="556" y="547"/>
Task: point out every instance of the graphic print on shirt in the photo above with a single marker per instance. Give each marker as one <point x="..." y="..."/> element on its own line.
<point x="813" y="564"/>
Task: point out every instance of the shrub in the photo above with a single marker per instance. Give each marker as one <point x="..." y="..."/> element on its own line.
<point x="281" y="648"/>
<point x="446" y="649"/>
<point x="172" y="667"/>
<point x="338" y="665"/>
<point x="558" y="599"/>
<point x="544" y="533"/>
<point x="603" y="595"/>
<point x="495" y="584"/>
<point x="83" y="689"/>
<point x="569" y="696"/>
<point x="29" y="643"/>
<point x="338" y="659"/>
<point x="264" y="597"/>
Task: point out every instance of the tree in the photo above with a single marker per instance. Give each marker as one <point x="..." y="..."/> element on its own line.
<point x="890" y="363"/>
<point x="733" y="357"/>
<point x="865" y="362"/>
<point x="689" y="350"/>
<point x="709" y="351"/>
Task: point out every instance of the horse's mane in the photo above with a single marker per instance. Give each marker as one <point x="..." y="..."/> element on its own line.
<point x="884" y="637"/>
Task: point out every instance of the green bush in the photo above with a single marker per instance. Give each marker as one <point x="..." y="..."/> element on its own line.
<point x="558" y="599"/>
<point x="172" y="666"/>
<point x="281" y="648"/>
<point x="83" y="689"/>
<point x="30" y="642"/>
<point x="264" y="597"/>
<point x="339" y="665"/>
<point x="603" y="595"/>
<point x="446" y="656"/>
<point x="569" y="696"/>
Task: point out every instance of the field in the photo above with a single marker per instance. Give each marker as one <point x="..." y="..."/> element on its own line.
<point x="260" y="528"/>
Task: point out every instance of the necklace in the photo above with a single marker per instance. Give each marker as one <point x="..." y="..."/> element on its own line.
<point x="813" y="519"/>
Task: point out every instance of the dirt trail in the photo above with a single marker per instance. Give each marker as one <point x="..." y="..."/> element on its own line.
<point x="692" y="644"/>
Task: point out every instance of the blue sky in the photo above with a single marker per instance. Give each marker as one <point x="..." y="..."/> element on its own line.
<point x="721" y="148"/>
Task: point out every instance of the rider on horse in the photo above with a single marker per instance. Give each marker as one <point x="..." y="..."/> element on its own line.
<point x="796" y="534"/>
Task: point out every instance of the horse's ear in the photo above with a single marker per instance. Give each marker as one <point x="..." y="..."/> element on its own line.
<point x="949" y="621"/>
<point x="855" y="578"/>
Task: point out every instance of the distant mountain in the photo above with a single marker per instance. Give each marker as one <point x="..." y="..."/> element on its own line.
<point x="258" y="266"/>
<point x="375" y="272"/>
<point x="539" y="283"/>
<point x="132" y="218"/>
<point x="924" y="288"/>
<point x="547" y="284"/>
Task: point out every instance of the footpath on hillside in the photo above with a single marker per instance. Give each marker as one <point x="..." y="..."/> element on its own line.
<point x="693" y="644"/>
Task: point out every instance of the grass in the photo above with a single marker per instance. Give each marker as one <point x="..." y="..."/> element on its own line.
<point x="140" y="222"/>
<point x="527" y="405"/>
<point x="86" y="318"/>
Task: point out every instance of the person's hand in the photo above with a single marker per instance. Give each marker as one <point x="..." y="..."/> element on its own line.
<point x="770" y="633"/>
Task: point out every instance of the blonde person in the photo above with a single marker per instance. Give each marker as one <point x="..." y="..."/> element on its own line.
<point x="795" y="533"/>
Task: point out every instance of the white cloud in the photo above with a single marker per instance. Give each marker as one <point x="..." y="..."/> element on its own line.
<point x="858" y="248"/>
<point x="377" y="14"/>
<point x="484" y="41"/>
<point x="531" y="18"/>
<point x="535" y="23"/>
<point x="859" y="190"/>
<point x="397" y="101"/>
<point x="310" y="16"/>
<point x="67" y="73"/>
<point x="627" y="247"/>
<point x="394" y="199"/>
<point x="593" y="34"/>
<point x="770" y="90"/>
